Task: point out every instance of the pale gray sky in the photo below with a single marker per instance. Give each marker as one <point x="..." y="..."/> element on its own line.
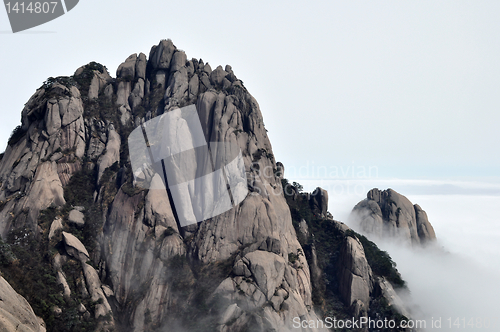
<point x="409" y="87"/>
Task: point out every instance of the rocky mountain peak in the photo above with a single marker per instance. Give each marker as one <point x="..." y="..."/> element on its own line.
<point x="386" y="213"/>
<point x="112" y="254"/>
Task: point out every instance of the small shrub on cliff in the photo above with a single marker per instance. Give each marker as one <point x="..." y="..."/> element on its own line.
<point x="16" y="135"/>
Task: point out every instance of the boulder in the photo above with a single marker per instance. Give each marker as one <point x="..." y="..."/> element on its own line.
<point x="77" y="218"/>
<point x="96" y="293"/>
<point x="74" y="247"/>
<point x="81" y="308"/>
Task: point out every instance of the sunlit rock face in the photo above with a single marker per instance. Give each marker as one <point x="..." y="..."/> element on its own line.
<point x="15" y="312"/>
<point x="390" y="214"/>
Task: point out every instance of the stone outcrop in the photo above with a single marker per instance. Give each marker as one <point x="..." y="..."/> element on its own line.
<point x="16" y="313"/>
<point x="319" y="201"/>
<point x="76" y="217"/>
<point x="355" y="275"/>
<point x="55" y="226"/>
<point x="390" y="214"/>
<point x="75" y="247"/>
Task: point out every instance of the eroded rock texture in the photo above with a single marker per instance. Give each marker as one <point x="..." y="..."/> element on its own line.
<point x="15" y="312"/>
<point x="390" y="214"/>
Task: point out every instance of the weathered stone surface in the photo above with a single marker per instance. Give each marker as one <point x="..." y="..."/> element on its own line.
<point x="94" y="88"/>
<point x="73" y="137"/>
<point x="193" y="86"/>
<point x="107" y="291"/>
<point x="232" y="312"/>
<point x="217" y="76"/>
<point x="71" y="109"/>
<point x="123" y="93"/>
<point x="204" y="83"/>
<point x="392" y="297"/>
<point x="61" y="279"/>
<point x="140" y="66"/>
<point x="390" y="214"/>
<point x="112" y="154"/>
<point x="241" y="269"/>
<point x="355" y="275"/>
<point x="16" y="313"/>
<point x="178" y="61"/>
<point x="207" y="69"/>
<point x="46" y="190"/>
<point x="137" y="94"/>
<point x="77" y="218"/>
<point x="99" y="81"/>
<point x="66" y="170"/>
<point x="52" y="117"/>
<point x="424" y="228"/>
<point x="74" y="247"/>
<point x="127" y="68"/>
<point x="304" y="229"/>
<point x="55" y="226"/>
<point x="158" y="211"/>
<point x="268" y="270"/>
<point x="319" y="201"/>
<point x="108" y="92"/>
<point x="177" y="91"/>
<point x="124" y="117"/>
<point x="94" y="287"/>
<point x="161" y="77"/>
<point x="161" y="55"/>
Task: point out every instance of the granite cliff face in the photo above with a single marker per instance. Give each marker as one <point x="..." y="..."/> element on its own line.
<point x="107" y="254"/>
<point x="390" y="214"/>
<point x="16" y="313"/>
